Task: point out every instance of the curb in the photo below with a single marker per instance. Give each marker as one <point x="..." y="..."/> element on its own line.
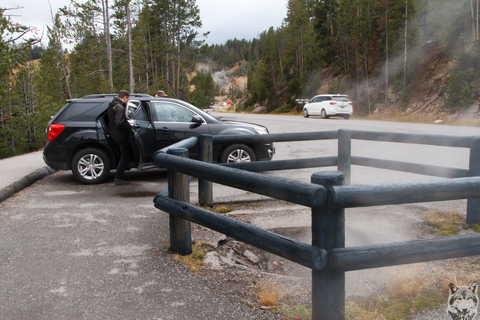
<point x="24" y="182"/>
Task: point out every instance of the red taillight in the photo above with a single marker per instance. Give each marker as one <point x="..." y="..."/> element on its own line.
<point x="332" y="103"/>
<point x="54" y="130"/>
<point x="350" y="103"/>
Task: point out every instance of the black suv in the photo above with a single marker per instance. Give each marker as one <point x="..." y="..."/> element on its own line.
<point x="78" y="137"/>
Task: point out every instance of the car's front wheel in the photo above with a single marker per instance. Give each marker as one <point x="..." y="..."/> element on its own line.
<point x="324" y="114"/>
<point x="90" y="166"/>
<point x="305" y="113"/>
<point x="237" y="153"/>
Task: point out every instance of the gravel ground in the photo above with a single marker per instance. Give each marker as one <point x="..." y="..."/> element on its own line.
<point x="363" y="226"/>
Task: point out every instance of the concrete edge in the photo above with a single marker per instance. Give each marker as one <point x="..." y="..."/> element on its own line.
<point x="24" y="182"/>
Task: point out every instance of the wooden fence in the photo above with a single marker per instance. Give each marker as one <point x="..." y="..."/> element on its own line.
<point x="328" y="194"/>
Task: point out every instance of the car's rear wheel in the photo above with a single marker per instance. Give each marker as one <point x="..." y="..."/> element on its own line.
<point x="90" y="166"/>
<point x="324" y="114"/>
<point x="305" y="113"/>
<point x="346" y="117"/>
<point x="237" y="153"/>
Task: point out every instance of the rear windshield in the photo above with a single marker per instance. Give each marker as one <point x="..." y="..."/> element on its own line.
<point x="341" y="98"/>
<point x="82" y="111"/>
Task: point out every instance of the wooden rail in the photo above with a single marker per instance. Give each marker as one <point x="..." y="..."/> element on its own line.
<point x="328" y="194"/>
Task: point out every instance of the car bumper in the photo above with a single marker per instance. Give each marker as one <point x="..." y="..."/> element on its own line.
<point x="267" y="151"/>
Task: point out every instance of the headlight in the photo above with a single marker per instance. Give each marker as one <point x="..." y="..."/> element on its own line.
<point x="261" y="130"/>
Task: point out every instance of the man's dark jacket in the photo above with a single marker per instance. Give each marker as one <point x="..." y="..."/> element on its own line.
<point x="118" y="125"/>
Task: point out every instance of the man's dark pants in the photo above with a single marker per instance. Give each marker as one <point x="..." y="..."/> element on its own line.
<point x="124" y="158"/>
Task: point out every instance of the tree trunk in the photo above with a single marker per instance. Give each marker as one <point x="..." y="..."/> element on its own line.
<point x="386" y="51"/>
<point x="406" y="52"/>
<point x="368" y="87"/>
<point x="178" y="64"/>
<point x="131" y="83"/>
<point x="108" y="42"/>
<point x="473" y="20"/>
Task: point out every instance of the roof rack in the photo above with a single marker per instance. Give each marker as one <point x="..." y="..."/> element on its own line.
<point x="111" y="95"/>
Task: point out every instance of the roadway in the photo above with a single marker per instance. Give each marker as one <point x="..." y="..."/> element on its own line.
<point x="72" y="251"/>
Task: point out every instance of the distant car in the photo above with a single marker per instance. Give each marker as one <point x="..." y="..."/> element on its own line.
<point x="327" y="105"/>
<point x="79" y="140"/>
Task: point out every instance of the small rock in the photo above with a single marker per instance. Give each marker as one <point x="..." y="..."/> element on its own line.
<point x="265" y="308"/>
<point x="438" y="121"/>
<point x="251" y="256"/>
<point x="212" y="260"/>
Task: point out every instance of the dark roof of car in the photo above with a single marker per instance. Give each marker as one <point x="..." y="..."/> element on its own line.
<point x="112" y="95"/>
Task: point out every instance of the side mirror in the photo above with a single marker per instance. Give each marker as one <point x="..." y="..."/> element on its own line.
<point x="197" y="119"/>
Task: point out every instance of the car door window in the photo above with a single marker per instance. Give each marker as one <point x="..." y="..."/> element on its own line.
<point x="141" y="115"/>
<point x="170" y="112"/>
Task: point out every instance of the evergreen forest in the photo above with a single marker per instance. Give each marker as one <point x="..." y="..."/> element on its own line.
<point x="372" y="50"/>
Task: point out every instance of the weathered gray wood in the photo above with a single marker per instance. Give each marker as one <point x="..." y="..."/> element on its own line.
<point x="406" y="192"/>
<point x="299" y="252"/>
<point x="345" y="154"/>
<point x="392" y="254"/>
<point x="328" y="232"/>
<point x="414" y="138"/>
<point x="205" y="188"/>
<point x="261" y="166"/>
<point x="178" y="188"/>
<point x="473" y="205"/>
<point x="424" y="169"/>
<point x="298" y="192"/>
<point x="276" y="137"/>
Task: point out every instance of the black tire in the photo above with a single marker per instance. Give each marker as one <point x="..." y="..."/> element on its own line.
<point x="324" y="114"/>
<point x="90" y="166"/>
<point x="237" y="153"/>
<point x="305" y="113"/>
<point x="346" y="117"/>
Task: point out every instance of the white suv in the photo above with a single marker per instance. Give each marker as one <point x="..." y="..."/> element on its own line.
<point x="327" y="105"/>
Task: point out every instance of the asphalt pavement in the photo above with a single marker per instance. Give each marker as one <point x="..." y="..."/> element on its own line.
<point x="73" y="251"/>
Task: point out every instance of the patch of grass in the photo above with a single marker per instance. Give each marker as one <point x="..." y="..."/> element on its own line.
<point x="222" y="209"/>
<point x="298" y="312"/>
<point x="445" y="223"/>
<point x="365" y="311"/>
<point x="268" y="294"/>
<point x="194" y="260"/>
<point x="448" y="223"/>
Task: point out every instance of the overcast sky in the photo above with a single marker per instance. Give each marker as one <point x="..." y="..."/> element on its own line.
<point x="225" y="19"/>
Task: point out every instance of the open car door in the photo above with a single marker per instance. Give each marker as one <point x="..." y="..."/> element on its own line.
<point x="139" y="118"/>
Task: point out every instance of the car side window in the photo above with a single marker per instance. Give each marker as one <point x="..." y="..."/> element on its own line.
<point x="169" y="112"/>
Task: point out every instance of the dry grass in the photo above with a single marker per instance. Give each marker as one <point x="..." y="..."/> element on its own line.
<point x="462" y="273"/>
<point x="195" y="260"/>
<point x="406" y="281"/>
<point x="222" y="209"/>
<point x="367" y="310"/>
<point x="218" y="209"/>
<point x="268" y="294"/>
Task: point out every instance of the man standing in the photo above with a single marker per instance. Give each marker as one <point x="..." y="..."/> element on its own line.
<point x="120" y="130"/>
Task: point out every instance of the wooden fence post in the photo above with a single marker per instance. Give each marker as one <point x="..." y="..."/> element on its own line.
<point x="205" y="189"/>
<point x="473" y="205"/>
<point x="178" y="189"/>
<point x="328" y="231"/>
<point x="345" y="154"/>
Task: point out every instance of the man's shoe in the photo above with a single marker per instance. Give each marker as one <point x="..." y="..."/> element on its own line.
<point x="121" y="182"/>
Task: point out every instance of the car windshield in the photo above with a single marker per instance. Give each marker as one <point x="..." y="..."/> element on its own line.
<point x="340" y="98"/>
